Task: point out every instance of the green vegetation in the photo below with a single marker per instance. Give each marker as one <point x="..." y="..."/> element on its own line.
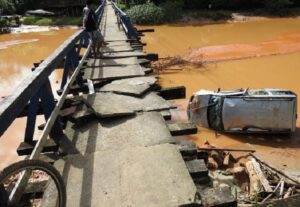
<point x="215" y="15"/>
<point x="43" y="21"/>
<point x="147" y="13"/>
<point x="172" y="10"/>
<point x="18" y="6"/>
<point x="3" y="25"/>
<point x="122" y="6"/>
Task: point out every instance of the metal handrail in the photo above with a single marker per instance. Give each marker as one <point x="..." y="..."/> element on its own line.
<point x="126" y="22"/>
<point x="15" y="194"/>
<point x="12" y="105"/>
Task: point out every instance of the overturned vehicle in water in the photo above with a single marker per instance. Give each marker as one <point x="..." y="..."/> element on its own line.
<point x="244" y="110"/>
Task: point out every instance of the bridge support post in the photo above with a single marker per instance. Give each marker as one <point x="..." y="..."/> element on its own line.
<point x="48" y="103"/>
<point x="131" y="33"/>
<point x="31" y="118"/>
<point x="71" y="63"/>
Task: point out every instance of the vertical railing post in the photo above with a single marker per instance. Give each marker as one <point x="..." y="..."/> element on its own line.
<point x="47" y="103"/>
<point x="31" y="118"/>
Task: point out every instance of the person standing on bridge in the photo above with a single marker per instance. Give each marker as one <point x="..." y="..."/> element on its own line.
<point x="90" y="25"/>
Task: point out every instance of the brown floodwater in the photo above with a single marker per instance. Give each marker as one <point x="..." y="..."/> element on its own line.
<point x="18" y="52"/>
<point x="253" y="42"/>
<point x="243" y="56"/>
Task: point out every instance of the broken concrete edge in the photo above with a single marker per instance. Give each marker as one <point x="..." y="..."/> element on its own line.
<point x="179" y="129"/>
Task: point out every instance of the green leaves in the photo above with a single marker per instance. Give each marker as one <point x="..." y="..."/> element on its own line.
<point x="147" y="13"/>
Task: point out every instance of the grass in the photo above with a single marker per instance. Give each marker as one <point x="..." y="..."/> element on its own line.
<point x="51" y="21"/>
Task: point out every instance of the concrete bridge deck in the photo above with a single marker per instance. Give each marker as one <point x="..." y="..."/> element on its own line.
<point x="119" y="150"/>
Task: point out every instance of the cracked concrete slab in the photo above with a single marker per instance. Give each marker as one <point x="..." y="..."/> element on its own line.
<point x="113" y="178"/>
<point x="113" y="49"/>
<point x="113" y="73"/>
<point x="113" y="105"/>
<point x="112" y="62"/>
<point x="130" y="86"/>
<point x="115" y="133"/>
<point x="124" y="54"/>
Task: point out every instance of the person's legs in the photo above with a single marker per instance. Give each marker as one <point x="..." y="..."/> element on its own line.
<point x="93" y="37"/>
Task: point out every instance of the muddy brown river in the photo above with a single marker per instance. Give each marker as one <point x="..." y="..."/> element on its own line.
<point x="253" y="54"/>
<point x="263" y="54"/>
<point x="18" y="52"/>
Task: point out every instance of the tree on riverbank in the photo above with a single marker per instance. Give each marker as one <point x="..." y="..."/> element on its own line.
<point x="18" y="6"/>
<point x="162" y="11"/>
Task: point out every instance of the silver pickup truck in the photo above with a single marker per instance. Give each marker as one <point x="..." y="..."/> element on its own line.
<point x="244" y="110"/>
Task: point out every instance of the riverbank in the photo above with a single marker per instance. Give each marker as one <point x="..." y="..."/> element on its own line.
<point x="226" y="17"/>
<point x="36" y="28"/>
<point x="52" y="21"/>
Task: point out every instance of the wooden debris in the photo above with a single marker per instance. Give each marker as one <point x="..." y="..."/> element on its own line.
<point x="274" y="169"/>
<point x="261" y="176"/>
<point x="289" y="192"/>
<point x="228" y="157"/>
<point x="226" y="149"/>
<point x="217" y="157"/>
<point x="240" y="178"/>
<point x="292" y="201"/>
<point x="274" y="191"/>
<point x="255" y="183"/>
<point x="212" y="164"/>
<point x="281" y="188"/>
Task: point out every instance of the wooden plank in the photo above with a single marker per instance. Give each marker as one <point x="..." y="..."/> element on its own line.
<point x="173" y="93"/>
<point x="143" y="61"/>
<point x="197" y="168"/>
<point x="26" y="148"/>
<point x="146" y="30"/>
<point x="187" y="149"/>
<point x="178" y="129"/>
<point x="12" y="105"/>
<point x="261" y="176"/>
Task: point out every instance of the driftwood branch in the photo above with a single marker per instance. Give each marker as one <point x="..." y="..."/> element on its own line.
<point x="274" y="169"/>
<point x="226" y="149"/>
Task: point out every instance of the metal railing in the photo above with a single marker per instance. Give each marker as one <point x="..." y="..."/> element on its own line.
<point x="35" y="93"/>
<point x="126" y="23"/>
<point x="37" y="86"/>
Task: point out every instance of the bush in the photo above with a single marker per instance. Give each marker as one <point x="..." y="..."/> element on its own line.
<point x="147" y="13"/>
<point x="67" y="21"/>
<point x="122" y="6"/>
<point x="277" y="6"/>
<point x="7" y="6"/>
<point x="3" y="23"/>
<point x="31" y="20"/>
<point x="172" y="10"/>
<point x="44" y="21"/>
